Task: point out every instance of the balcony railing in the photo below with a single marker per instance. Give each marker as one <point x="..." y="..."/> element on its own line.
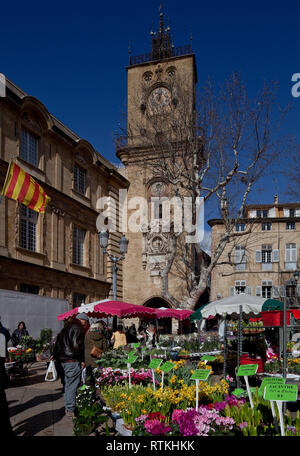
<point x="175" y="52"/>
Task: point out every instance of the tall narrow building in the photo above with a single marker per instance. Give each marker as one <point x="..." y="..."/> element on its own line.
<point x="154" y="83"/>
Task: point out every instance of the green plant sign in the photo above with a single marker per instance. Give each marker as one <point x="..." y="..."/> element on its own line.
<point x="132" y="358"/>
<point x="247" y="369"/>
<point x="281" y="392"/>
<point x="201" y="374"/>
<point x="167" y="366"/>
<point x="136" y="345"/>
<point x="154" y="363"/>
<point x="208" y="358"/>
<point x="239" y="392"/>
<point x="271" y="381"/>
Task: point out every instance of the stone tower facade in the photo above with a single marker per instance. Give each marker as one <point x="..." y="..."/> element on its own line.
<point x="152" y="82"/>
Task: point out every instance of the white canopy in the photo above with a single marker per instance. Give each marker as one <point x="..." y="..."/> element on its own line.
<point x="231" y="304"/>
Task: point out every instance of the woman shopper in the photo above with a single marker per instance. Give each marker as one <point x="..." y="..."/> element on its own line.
<point x="119" y="338"/>
<point x="18" y="333"/>
<point x="95" y="337"/>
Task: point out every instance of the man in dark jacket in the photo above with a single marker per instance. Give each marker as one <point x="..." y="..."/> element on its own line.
<point x="69" y="351"/>
<point x="5" y="426"/>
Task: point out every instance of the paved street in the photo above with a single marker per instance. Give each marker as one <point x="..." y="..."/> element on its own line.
<point x="37" y="407"/>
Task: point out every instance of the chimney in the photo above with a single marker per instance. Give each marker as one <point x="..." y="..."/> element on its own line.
<point x="276" y="199"/>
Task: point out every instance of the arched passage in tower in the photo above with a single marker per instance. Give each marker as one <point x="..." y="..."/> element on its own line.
<point x="164" y="324"/>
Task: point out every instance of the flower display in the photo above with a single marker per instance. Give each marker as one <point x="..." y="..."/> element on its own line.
<point x="109" y="376"/>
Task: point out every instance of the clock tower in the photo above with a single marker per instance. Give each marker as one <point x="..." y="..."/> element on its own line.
<point x="153" y="92"/>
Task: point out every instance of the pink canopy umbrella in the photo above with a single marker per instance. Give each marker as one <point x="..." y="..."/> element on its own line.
<point x="100" y="309"/>
<point x="180" y="314"/>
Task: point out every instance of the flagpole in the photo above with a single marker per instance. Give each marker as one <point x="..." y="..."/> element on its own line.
<point x="5" y="181"/>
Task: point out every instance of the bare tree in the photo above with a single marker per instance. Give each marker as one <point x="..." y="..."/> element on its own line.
<point x="293" y="174"/>
<point x="216" y="147"/>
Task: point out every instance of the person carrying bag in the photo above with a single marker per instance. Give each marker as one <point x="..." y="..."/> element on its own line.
<point x="95" y="344"/>
<point x="51" y="374"/>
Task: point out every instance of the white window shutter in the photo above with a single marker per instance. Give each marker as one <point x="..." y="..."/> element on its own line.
<point x="298" y="291"/>
<point x="249" y="290"/>
<point x="231" y="291"/>
<point x="243" y="256"/>
<point x="258" y="290"/>
<point x="294" y="253"/>
<point x="275" y="292"/>
<point x="297" y="212"/>
<point x="287" y="253"/>
<point x="286" y="212"/>
<point x="272" y="212"/>
<point x="258" y="256"/>
<point x="275" y="256"/>
<point x="252" y="213"/>
<point x="282" y="291"/>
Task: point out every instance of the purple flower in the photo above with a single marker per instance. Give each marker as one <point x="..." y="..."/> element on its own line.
<point x="243" y="425"/>
<point x="292" y="429"/>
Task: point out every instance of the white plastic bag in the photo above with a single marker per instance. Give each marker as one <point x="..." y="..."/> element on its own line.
<point x="51" y="374"/>
<point x="83" y="375"/>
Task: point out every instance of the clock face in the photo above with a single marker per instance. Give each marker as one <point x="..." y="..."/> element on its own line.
<point x="159" y="100"/>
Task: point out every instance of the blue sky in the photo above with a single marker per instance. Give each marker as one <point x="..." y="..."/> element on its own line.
<point x="72" y="56"/>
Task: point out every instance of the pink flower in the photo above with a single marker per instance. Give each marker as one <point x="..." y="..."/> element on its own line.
<point x="156" y="427"/>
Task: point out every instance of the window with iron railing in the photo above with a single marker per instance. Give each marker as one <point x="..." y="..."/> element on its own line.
<point x="80" y="179"/>
<point x="28" y="228"/>
<point x="29" y="147"/>
<point x="78" y="245"/>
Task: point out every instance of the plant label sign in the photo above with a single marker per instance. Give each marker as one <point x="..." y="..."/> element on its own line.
<point x="132" y="358"/>
<point x="201" y="374"/>
<point x="154" y="363"/>
<point x="281" y="392"/>
<point x="271" y="381"/>
<point x="167" y="367"/>
<point x="208" y="358"/>
<point x="247" y="369"/>
<point x="136" y="345"/>
<point x="239" y="392"/>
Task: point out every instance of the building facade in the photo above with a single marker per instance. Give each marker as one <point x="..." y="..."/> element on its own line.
<point x="152" y="82"/>
<point x="262" y="261"/>
<point x="57" y="253"/>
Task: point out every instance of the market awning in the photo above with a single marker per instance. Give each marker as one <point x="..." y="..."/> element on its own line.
<point x="197" y="315"/>
<point x="231" y="305"/>
<point x="108" y="308"/>
<point x="164" y="312"/>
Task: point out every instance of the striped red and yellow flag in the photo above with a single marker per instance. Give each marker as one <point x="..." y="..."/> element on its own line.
<point x="20" y="186"/>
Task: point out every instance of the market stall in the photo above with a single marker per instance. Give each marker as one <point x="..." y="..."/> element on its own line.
<point x="237" y="306"/>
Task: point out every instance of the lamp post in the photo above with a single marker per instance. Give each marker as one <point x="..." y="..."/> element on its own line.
<point x="103" y="239"/>
<point x="284" y="337"/>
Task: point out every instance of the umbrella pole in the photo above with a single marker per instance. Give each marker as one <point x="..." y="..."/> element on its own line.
<point x="225" y="347"/>
<point x="239" y="344"/>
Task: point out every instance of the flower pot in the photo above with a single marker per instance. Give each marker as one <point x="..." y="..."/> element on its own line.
<point x="121" y="429"/>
